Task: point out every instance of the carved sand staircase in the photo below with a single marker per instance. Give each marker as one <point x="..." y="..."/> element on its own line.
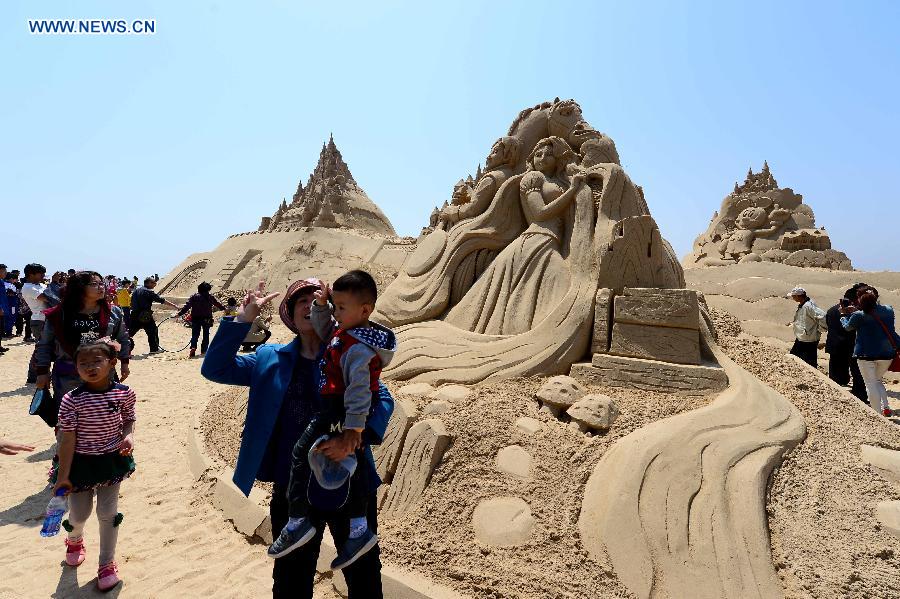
<point x="234" y="266"/>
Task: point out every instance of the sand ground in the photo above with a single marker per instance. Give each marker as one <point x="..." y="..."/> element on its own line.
<point x="173" y="542"/>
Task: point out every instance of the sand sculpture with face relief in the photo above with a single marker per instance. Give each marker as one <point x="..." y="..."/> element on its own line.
<point x="505" y="284"/>
<point x="760" y="221"/>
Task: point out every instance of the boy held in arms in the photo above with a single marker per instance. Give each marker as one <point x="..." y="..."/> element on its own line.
<point x="355" y="353"/>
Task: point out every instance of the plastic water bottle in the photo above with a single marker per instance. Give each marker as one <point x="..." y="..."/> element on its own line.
<point x="56" y="509"/>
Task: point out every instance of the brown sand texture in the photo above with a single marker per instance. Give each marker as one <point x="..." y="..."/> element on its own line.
<point x="826" y="541"/>
<point x="172" y="542"/>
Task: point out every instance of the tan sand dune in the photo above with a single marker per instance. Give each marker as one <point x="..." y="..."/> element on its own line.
<point x="755" y="292"/>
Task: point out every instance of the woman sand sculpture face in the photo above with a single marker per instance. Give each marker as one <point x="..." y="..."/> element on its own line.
<point x="504" y="152"/>
<point x="544" y="160"/>
<point x="550" y="156"/>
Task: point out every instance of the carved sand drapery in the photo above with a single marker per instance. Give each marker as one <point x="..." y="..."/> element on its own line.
<point x="679" y="505"/>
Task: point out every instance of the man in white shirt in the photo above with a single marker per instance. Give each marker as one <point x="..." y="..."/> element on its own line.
<point x="809" y="324"/>
<point x="33" y="293"/>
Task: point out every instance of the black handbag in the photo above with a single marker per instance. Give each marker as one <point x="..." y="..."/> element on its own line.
<point x="46" y="406"/>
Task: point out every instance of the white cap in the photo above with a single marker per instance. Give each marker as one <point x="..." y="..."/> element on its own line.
<point x="797" y="291"/>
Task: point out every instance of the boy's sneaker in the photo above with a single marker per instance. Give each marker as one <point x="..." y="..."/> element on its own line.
<point x="74" y="552"/>
<point x="107" y="576"/>
<point x="353" y="549"/>
<point x="289" y="539"/>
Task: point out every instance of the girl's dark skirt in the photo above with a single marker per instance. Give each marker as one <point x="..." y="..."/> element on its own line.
<point x="92" y="471"/>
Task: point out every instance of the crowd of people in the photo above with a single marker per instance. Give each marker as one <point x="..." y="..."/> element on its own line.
<point x="861" y="341"/>
<point x="316" y="407"/>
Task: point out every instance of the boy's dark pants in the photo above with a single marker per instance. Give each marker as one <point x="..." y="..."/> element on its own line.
<point x="293" y="574"/>
<point x="150" y="328"/>
<point x="37" y="329"/>
<point x="298" y="500"/>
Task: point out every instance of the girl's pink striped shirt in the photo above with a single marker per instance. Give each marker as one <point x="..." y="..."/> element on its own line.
<point x="97" y="418"/>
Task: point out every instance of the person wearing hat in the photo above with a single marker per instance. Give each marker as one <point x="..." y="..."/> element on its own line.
<point x="842" y="366"/>
<point x="357" y="350"/>
<point x="809" y="324"/>
<point x="284" y="383"/>
<point x="202" y="305"/>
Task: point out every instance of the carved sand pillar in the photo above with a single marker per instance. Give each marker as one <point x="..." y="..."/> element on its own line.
<point x="602" y="321"/>
<point x="387" y="455"/>
<point x="425" y="445"/>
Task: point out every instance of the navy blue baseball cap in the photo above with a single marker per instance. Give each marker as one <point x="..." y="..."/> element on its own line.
<point x="329" y="484"/>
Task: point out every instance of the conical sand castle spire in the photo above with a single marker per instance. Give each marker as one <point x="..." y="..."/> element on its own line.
<point x="331" y="198"/>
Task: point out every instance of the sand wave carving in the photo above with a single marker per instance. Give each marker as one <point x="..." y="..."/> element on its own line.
<point x="679" y="505"/>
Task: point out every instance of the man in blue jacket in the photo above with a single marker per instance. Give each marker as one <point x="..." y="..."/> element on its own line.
<point x="283" y="381"/>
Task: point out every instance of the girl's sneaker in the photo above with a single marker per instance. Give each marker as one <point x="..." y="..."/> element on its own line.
<point x="107" y="576"/>
<point x="74" y="552"/>
<point x="887" y="412"/>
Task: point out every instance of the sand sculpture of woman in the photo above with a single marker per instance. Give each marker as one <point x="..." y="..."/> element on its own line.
<point x="524" y="282"/>
<point x="510" y="291"/>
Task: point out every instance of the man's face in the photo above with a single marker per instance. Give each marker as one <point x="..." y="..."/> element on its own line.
<point x="798" y="298"/>
<point x="35" y="277"/>
<point x="2" y="273"/>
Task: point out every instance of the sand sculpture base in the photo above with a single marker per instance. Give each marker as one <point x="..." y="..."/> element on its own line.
<point x="650" y="375"/>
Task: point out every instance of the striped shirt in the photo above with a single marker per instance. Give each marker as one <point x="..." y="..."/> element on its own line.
<point x="97" y="417"/>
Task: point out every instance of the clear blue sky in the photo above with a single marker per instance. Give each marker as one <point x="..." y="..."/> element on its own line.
<point x="127" y="153"/>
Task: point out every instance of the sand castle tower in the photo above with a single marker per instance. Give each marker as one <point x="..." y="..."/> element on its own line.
<point x="760" y="221"/>
<point x="331" y="198"/>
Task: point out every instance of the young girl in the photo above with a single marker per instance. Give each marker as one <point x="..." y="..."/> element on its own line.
<point x="96" y="424"/>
